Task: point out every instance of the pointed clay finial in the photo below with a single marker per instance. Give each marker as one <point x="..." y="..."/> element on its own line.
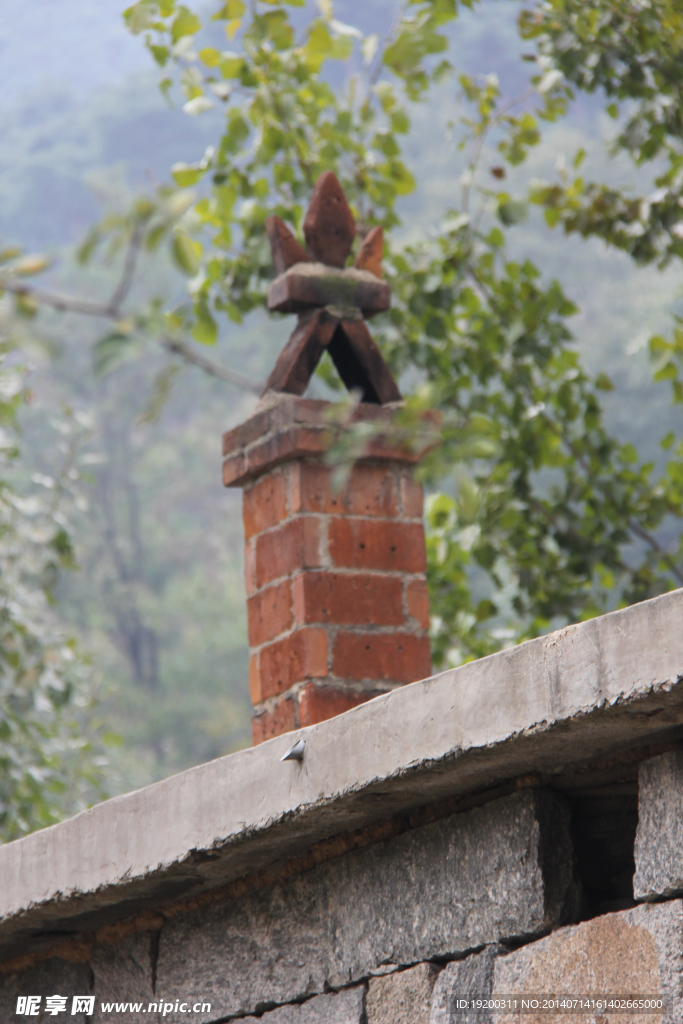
<point x="329" y="227"/>
<point x="370" y="253"/>
<point x="284" y="246"/>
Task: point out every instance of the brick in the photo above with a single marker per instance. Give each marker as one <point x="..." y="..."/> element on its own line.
<point x="246" y="433"/>
<point x="401" y="998"/>
<point x="343" y="599"/>
<point x="280" y="552"/>
<point x="275" y="722"/>
<point x="368" y="544"/>
<point x="659" y="839"/>
<point x="254" y="680"/>
<point x="269" y="613"/>
<point x="250" y="567"/>
<point x="297" y="657"/>
<point x="265" y="504"/>
<point x="400" y="657"/>
<point x="320" y="701"/>
<point x="412" y="497"/>
<point x="369" y="491"/>
<point x="293" y="442"/>
<point x="233" y="469"/>
<point x="417" y="601"/>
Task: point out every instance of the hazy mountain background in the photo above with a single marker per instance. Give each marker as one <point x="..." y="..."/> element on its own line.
<point x="159" y="597"/>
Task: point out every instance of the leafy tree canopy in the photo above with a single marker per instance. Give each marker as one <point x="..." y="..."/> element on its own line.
<point x="48" y="752"/>
<point x="538" y="517"/>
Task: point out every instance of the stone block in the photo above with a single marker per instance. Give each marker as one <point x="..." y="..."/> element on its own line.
<point x="47" y="978"/>
<point x="659" y="839"/>
<point x="344" y="1007"/>
<point x="499" y="871"/>
<point x="631" y="953"/>
<point x="468" y="978"/>
<point x="403" y="997"/>
<point x="123" y="974"/>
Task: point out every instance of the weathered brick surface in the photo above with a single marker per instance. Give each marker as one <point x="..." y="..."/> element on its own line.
<point x="275" y="721"/>
<point x="347" y="600"/>
<point x="47" y="978"/>
<point x="403" y="997"/>
<point x="400" y="657"/>
<point x="417" y="601"/>
<point x="280" y="552"/>
<point x="322" y="555"/>
<point x="370" y="490"/>
<point x="123" y="973"/>
<point x="659" y="839"/>
<point x="301" y="655"/>
<point x="412" y="497"/>
<point x="264" y="504"/>
<point x="269" y="613"/>
<point x="369" y="544"/>
<point x="635" y="952"/>
<point x="470" y="978"/>
<point x="320" y="701"/>
<point x="438" y="891"/>
<point x="344" y="1007"/>
<point x="250" y="567"/>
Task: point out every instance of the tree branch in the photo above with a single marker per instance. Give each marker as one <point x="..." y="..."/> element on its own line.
<point x="179" y="348"/>
<point x="111" y="311"/>
<point x="129" y="263"/>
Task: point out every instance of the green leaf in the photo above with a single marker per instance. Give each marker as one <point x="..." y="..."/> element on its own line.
<point x="185" y="175"/>
<point x="185" y="23"/>
<point x="205" y="330"/>
<point x="160" y="53"/>
<point x="109" y="351"/>
<point x="210" y="56"/>
<point x="230" y="11"/>
<point x="513" y="211"/>
<point x="186" y="253"/>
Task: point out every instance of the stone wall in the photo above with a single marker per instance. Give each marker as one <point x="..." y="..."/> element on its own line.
<point x="434" y="845"/>
<point x="479" y="903"/>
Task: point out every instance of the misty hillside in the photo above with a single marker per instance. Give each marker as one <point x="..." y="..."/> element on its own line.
<point x="159" y="597"/>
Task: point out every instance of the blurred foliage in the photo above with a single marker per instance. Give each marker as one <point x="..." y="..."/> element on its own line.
<point x="550" y="519"/>
<point x="537" y="515"/>
<point x="51" y="755"/>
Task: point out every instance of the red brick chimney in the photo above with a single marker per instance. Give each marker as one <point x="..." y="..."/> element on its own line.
<point x="337" y="600"/>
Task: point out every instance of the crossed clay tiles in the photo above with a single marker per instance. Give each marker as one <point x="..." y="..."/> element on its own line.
<point x="332" y="301"/>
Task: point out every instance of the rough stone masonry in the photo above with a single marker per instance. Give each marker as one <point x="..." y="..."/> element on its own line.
<point x="424" y="852"/>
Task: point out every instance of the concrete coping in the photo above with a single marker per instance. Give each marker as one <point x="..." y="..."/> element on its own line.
<point x="584" y="693"/>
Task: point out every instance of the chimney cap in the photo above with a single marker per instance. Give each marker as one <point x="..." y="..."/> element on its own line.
<point x="332" y="300"/>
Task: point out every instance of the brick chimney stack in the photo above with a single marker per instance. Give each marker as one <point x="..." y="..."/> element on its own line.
<point x="337" y="600"/>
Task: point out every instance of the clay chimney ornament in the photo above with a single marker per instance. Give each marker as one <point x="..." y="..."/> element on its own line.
<point x="332" y="301"/>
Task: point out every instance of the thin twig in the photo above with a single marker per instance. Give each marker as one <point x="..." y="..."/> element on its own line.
<point x="179" y="348"/>
<point x="64" y="303"/>
<point x="120" y="293"/>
